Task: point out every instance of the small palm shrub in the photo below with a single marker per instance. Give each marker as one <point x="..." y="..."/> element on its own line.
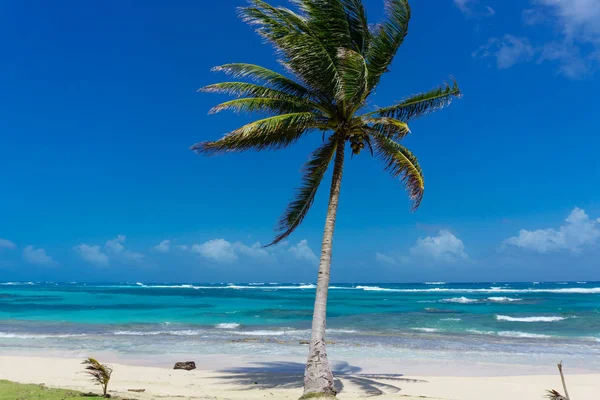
<point x="100" y="373"/>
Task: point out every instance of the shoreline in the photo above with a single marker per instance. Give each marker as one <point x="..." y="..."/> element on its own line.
<point x="234" y="378"/>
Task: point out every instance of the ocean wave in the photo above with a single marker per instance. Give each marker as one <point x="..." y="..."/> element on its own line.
<point x="17" y="283"/>
<point x="451" y="319"/>
<point x="6" y="335"/>
<point x="516" y="334"/>
<point x="227" y="326"/>
<point x="503" y="299"/>
<point x="271" y="333"/>
<point x="188" y="332"/>
<point x="510" y="334"/>
<point x="435" y="283"/>
<point x="303" y="286"/>
<point x="427" y="330"/>
<point x="460" y="300"/>
<point x="595" y="290"/>
<point x="529" y="319"/>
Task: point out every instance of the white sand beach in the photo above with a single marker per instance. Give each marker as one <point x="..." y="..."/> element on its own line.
<point x="224" y="380"/>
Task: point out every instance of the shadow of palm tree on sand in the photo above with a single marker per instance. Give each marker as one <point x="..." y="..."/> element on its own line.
<point x="290" y="375"/>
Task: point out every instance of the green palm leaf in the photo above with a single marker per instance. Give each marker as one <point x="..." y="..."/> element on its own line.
<point x="308" y="59"/>
<point x="421" y="104"/>
<point x="269" y="133"/>
<point x="241" y="89"/>
<point x="328" y="23"/>
<point x="353" y="78"/>
<point x="387" y="39"/>
<point x="261" y="74"/>
<point x="390" y="127"/>
<point x="358" y="24"/>
<point x="253" y="104"/>
<point x="313" y="172"/>
<point x="401" y="163"/>
<point x="272" y="23"/>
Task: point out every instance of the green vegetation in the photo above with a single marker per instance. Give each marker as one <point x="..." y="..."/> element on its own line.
<point x="18" y="391"/>
<point x="334" y="60"/>
<point x="100" y="373"/>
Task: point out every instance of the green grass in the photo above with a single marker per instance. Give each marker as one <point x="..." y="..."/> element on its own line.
<point x="318" y="396"/>
<point x="18" y="391"/>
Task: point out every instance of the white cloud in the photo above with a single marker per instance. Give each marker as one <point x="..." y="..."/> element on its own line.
<point x="302" y="251"/>
<point x="574" y="48"/>
<point x="113" y="249"/>
<point x="577" y="232"/>
<point x="445" y="247"/>
<point x="224" y="251"/>
<point x="164" y="246"/>
<point x="385" y="259"/>
<point x="92" y="254"/>
<point x="7" y="244"/>
<point x="218" y="249"/>
<point x="116" y="248"/>
<point x="507" y="51"/>
<point x="37" y="256"/>
<point x="254" y="251"/>
<point x="472" y="8"/>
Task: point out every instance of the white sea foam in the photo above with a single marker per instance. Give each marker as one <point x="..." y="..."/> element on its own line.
<point x="341" y="331"/>
<point x="529" y="319"/>
<point x="435" y="283"/>
<point x="582" y="283"/>
<point x="427" y="330"/>
<point x="516" y="334"/>
<point x="271" y="333"/>
<point x="503" y="299"/>
<point x="450" y="319"/>
<point x="227" y="326"/>
<point x="17" y="283"/>
<point x="460" y="300"/>
<point x="303" y="286"/>
<point x="595" y="290"/>
<point x="510" y="334"/>
<point x="7" y="335"/>
<point x="188" y="332"/>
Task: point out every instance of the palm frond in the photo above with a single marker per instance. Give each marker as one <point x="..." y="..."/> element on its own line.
<point x="272" y="23"/>
<point x="313" y="172"/>
<point x="100" y="373"/>
<point x="387" y="39"/>
<point x="270" y="133"/>
<point x="390" y="127"/>
<point x="261" y="74"/>
<point x="254" y="104"/>
<point x="421" y="104"/>
<point x="353" y="77"/>
<point x="401" y="163"/>
<point x="241" y="89"/>
<point x="307" y="58"/>
<point x="328" y="22"/>
<point x="358" y="24"/>
<point x="554" y="395"/>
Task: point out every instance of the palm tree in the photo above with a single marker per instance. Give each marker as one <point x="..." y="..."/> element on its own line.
<point x="334" y="61"/>
<point x="100" y="373"/>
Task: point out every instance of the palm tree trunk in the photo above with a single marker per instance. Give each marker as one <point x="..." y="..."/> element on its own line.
<point x="318" y="377"/>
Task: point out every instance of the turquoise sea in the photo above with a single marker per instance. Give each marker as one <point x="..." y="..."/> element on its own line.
<point x="534" y="321"/>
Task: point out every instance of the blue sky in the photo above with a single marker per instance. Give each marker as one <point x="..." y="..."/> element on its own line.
<point x="99" y="108"/>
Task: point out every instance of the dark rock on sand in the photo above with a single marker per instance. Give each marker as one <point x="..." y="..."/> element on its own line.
<point x="187" y="365"/>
